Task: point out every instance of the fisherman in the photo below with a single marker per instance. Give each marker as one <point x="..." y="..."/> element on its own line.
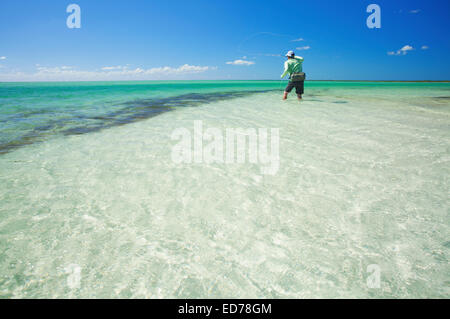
<point x="294" y="67"/>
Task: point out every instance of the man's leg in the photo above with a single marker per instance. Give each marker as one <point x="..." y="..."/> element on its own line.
<point x="299" y="89"/>
<point x="288" y="89"/>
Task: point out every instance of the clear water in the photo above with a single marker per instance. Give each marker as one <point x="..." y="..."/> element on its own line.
<point x="87" y="183"/>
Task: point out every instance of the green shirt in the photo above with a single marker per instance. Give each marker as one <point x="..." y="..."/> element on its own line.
<point x="294" y="65"/>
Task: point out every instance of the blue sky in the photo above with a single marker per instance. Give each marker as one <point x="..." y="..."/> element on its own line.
<point x="143" y="39"/>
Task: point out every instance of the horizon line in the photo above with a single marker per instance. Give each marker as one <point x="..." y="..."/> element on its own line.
<point x="392" y="81"/>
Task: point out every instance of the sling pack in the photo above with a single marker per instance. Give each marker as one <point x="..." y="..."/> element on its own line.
<point x="298" y="77"/>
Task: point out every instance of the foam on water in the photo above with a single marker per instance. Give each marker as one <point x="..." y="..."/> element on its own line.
<point x="363" y="180"/>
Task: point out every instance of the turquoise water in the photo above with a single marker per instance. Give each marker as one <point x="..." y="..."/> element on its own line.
<point x="31" y="112"/>
<point x="92" y="205"/>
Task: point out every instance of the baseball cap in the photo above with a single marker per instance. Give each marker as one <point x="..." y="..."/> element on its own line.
<point x="290" y="54"/>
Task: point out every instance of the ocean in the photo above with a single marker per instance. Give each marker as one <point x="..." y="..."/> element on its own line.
<point x="93" y="204"/>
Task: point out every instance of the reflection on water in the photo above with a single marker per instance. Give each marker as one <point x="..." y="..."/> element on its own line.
<point x="76" y="123"/>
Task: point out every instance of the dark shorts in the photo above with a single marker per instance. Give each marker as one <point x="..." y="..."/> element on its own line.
<point x="299" y="87"/>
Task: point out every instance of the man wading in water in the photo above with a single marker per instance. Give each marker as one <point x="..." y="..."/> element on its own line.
<point x="294" y="67"/>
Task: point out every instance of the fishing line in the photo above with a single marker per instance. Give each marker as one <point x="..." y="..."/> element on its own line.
<point x="255" y="35"/>
<point x="241" y="47"/>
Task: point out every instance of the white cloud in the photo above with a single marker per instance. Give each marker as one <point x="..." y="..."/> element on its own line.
<point x="414" y="11"/>
<point x="241" y="62"/>
<point x="407" y="48"/>
<point x="402" y="51"/>
<point x="66" y="73"/>
<point x="111" y="68"/>
<point x="298" y="40"/>
<point x="125" y="71"/>
<point x="2" y="58"/>
<point x="306" y="47"/>
<point x="181" y="70"/>
<point x="425" y="47"/>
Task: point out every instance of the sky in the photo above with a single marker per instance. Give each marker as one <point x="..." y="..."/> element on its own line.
<point x="235" y="40"/>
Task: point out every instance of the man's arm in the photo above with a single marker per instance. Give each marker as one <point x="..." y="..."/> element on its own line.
<point x="286" y="68"/>
<point x="299" y="58"/>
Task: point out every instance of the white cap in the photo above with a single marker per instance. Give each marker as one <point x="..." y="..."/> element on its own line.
<point x="290" y="54"/>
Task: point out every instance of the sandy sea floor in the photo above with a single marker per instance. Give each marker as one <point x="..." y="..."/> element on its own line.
<point x="363" y="180"/>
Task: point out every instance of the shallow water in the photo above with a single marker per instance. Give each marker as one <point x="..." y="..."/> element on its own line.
<point x="363" y="180"/>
